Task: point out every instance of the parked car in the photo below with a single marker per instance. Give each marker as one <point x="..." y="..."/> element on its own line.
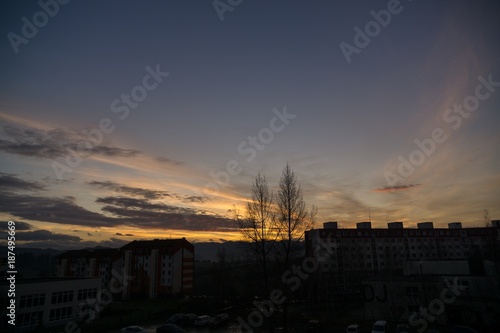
<point x="353" y="328"/>
<point x="313" y="326"/>
<point x="462" y="329"/>
<point x="169" y="328"/>
<point x="380" y="326"/>
<point x="219" y="320"/>
<point x="202" y="320"/>
<point x="177" y="318"/>
<point x="133" y="329"/>
<point x="189" y="319"/>
<point x="402" y="328"/>
<point x="432" y="330"/>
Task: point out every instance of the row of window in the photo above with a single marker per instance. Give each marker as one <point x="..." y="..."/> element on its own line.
<point x="34" y="300"/>
<point x="29" y="318"/>
<point x="413" y="255"/>
<point x="86" y="294"/>
<point x="60" y="313"/>
<point x="401" y="248"/>
<point x="397" y="232"/>
<point x="28" y="301"/>
<point x="62" y="297"/>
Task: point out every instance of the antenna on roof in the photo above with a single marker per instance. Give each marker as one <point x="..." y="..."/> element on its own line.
<point x="369" y="215"/>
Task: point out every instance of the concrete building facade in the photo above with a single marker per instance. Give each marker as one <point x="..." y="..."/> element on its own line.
<point x="87" y="263"/>
<point x="45" y="302"/>
<point x="146" y="269"/>
<point x="157" y="268"/>
<point x="350" y="255"/>
<point x="446" y="293"/>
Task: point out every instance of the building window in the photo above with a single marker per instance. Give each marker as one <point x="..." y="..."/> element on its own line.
<point x="463" y="285"/>
<point x="62" y="297"/>
<point x="28" y="301"/>
<point x="60" y="314"/>
<point x="411" y="291"/>
<point x="30" y="318"/>
<point x="87" y="294"/>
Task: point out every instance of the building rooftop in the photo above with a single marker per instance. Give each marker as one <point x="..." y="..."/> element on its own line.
<point x="90" y="253"/>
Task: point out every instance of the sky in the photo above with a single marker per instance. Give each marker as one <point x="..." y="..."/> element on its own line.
<point x="123" y="120"/>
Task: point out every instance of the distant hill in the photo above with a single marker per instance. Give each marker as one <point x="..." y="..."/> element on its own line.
<point x="36" y="251"/>
<point x="207" y="251"/>
<point x="34" y="262"/>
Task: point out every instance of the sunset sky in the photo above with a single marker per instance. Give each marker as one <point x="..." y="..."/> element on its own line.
<point x="122" y="120"/>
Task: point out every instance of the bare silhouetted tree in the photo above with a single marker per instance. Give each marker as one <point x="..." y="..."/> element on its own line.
<point x="258" y="226"/>
<point x="293" y="217"/>
<point x="293" y="220"/>
<point x="486" y="217"/>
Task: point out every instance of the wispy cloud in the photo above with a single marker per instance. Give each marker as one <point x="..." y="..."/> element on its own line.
<point x="139" y="207"/>
<point x="13" y="182"/>
<point x="51" y="209"/>
<point x="135" y="191"/>
<point x="45" y="235"/>
<point x="146" y="214"/>
<point x="395" y="188"/>
<point x="120" y="234"/>
<point x="55" y="143"/>
<point x="163" y="159"/>
<point x="146" y="193"/>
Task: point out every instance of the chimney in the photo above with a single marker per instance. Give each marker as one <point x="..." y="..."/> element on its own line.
<point x="395" y="225"/>
<point x="363" y="225"/>
<point x="425" y="225"/>
<point x="330" y="225"/>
